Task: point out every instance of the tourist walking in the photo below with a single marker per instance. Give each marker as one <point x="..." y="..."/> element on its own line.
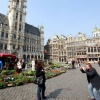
<point x="99" y="63"/>
<point x="93" y="80"/>
<point x="19" y="66"/>
<point x="41" y="88"/>
<point x="1" y="64"/>
<point x="73" y="64"/>
<point x="33" y="64"/>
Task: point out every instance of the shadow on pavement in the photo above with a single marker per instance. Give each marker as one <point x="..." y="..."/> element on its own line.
<point x="54" y="94"/>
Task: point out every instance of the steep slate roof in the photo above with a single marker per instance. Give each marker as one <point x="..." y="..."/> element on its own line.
<point x="4" y="20"/>
<point x="31" y="29"/>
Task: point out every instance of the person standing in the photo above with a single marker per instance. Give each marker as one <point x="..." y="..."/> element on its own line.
<point x="73" y="64"/>
<point x="19" y="66"/>
<point x="41" y="88"/>
<point x="99" y="63"/>
<point x="1" y="64"/>
<point x="33" y="64"/>
<point x="93" y="80"/>
<point x="23" y="63"/>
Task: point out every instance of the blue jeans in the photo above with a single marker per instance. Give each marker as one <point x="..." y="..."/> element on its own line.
<point x="41" y="91"/>
<point x="90" y="90"/>
<point x="96" y="94"/>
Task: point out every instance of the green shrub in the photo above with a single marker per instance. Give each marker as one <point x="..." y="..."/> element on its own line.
<point x="3" y="85"/>
<point x="50" y="63"/>
<point x="29" y="73"/>
<point x="13" y="71"/>
<point x="6" y="72"/>
<point x="18" y="82"/>
<point x="1" y="78"/>
<point x="28" y="79"/>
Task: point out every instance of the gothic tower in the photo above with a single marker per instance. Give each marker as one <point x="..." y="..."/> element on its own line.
<point x="16" y="17"/>
<point x="41" y="28"/>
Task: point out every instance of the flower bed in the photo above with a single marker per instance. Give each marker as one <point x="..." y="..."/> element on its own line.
<point x="9" y="78"/>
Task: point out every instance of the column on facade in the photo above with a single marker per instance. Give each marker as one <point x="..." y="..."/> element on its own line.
<point x="37" y="55"/>
<point x="0" y="34"/>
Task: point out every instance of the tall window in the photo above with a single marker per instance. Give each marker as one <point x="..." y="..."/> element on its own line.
<point x="5" y="47"/>
<point x="6" y="35"/>
<point x="15" y="25"/>
<point x="88" y="49"/>
<point x="13" y="46"/>
<point x="2" y="34"/>
<point x="16" y="15"/>
<point x="98" y="49"/>
<point x="18" y="47"/>
<point x="1" y="46"/>
<point x="17" y="2"/>
<point x="94" y="49"/>
<point x="20" y="27"/>
<point x="27" y="47"/>
<point x="20" y="17"/>
<point x="14" y="36"/>
<point x="18" y="37"/>
<point x="91" y="49"/>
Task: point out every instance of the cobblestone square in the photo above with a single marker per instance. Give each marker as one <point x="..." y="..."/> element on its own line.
<point x="71" y="85"/>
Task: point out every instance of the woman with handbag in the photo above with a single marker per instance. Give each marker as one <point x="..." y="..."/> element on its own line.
<point x="41" y="87"/>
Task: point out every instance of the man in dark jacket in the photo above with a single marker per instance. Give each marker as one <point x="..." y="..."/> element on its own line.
<point x="93" y="80"/>
<point x="73" y="64"/>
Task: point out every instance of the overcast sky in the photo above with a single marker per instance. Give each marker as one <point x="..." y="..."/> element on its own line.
<point x="61" y="16"/>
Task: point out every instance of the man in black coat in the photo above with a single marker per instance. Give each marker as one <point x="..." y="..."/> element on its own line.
<point x="93" y="80"/>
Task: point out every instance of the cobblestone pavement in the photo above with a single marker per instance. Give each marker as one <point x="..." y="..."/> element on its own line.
<point x="71" y="85"/>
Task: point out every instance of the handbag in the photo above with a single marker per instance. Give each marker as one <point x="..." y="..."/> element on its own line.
<point x="38" y="80"/>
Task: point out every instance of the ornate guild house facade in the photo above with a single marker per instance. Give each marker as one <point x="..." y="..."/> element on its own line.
<point x="79" y="48"/>
<point x="18" y="37"/>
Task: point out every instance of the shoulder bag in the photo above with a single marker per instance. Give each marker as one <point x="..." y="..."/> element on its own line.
<point x="38" y="80"/>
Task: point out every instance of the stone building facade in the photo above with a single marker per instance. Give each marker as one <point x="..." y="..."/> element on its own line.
<point x="79" y="48"/>
<point x="56" y="49"/>
<point x="18" y="37"/>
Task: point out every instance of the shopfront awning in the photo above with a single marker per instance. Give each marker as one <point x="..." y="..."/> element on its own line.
<point x="7" y="55"/>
